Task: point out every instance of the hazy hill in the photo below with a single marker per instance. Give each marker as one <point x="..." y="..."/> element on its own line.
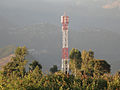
<point x="5" y="54"/>
<point x="6" y="51"/>
<point x="5" y="60"/>
<point x="45" y="42"/>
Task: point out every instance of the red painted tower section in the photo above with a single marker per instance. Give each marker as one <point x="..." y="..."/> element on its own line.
<point x="65" y="55"/>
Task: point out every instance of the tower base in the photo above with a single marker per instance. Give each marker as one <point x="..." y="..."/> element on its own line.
<point x="65" y="66"/>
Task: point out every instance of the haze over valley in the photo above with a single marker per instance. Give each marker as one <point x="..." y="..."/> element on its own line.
<point x="36" y="24"/>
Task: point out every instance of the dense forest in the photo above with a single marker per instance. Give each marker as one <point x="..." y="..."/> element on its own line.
<point x="86" y="73"/>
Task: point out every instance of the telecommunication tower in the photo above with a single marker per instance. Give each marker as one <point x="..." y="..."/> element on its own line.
<point x="65" y="56"/>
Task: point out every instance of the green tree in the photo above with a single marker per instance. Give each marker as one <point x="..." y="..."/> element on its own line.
<point x="14" y="76"/>
<point x="57" y="81"/>
<point x="17" y="64"/>
<point x="32" y="79"/>
<point x="54" y="69"/>
<point x="91" y="65"/>
<point x="101" y="67"/>
<point x="14" y="71"/>
<point x="85" y="58"/>
<point x="33" y="65"/>
<point x="75" y="61"/>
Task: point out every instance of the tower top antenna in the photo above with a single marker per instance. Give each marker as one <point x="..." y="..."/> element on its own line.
<point x="64" y="13"/>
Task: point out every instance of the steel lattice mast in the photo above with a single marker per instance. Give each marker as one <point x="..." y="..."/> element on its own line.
<point x="65" y="56"/>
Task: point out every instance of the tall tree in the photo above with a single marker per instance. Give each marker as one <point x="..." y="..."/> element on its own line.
<point x="33" y="65"/>
<point x="75" y="60"/>
<point x="91" y="65"/>
<point x="32" y="79"/>
<point x="17" y="64"/>
<point x="54" y="69"/>
<point x="101" y="66"/>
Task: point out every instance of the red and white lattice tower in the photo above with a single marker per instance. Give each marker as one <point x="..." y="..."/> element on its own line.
<point x="65" y="56"/>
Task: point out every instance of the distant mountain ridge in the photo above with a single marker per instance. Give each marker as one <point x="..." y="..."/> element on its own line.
<point x="46" y="40"/>
<point x="5" y="60"/>
<point x="6" y="51"/>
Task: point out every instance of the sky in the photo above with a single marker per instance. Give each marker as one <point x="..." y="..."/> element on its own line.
<point x="102" y="14"/>
<point x="83" y="13"/>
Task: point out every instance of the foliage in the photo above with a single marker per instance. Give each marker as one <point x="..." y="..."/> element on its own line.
<point x="75" y="60"/>
<point x="15" y="77"/>
<point x="33" y="65"/>
<point x="88" y="64"/>
<point x="17" y="64"/>
<point x="54" y="69"/>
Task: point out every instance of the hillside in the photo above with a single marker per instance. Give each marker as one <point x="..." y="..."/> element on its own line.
<point x="5" y="54"/>
<point x="46" y="41"/>
<point x="6" y="51"/>
<point x="5" y="60"/>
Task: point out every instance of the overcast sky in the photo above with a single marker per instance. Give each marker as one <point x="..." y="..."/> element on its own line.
<point x="83" y="13"/>
<point x="103" y="14"/>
